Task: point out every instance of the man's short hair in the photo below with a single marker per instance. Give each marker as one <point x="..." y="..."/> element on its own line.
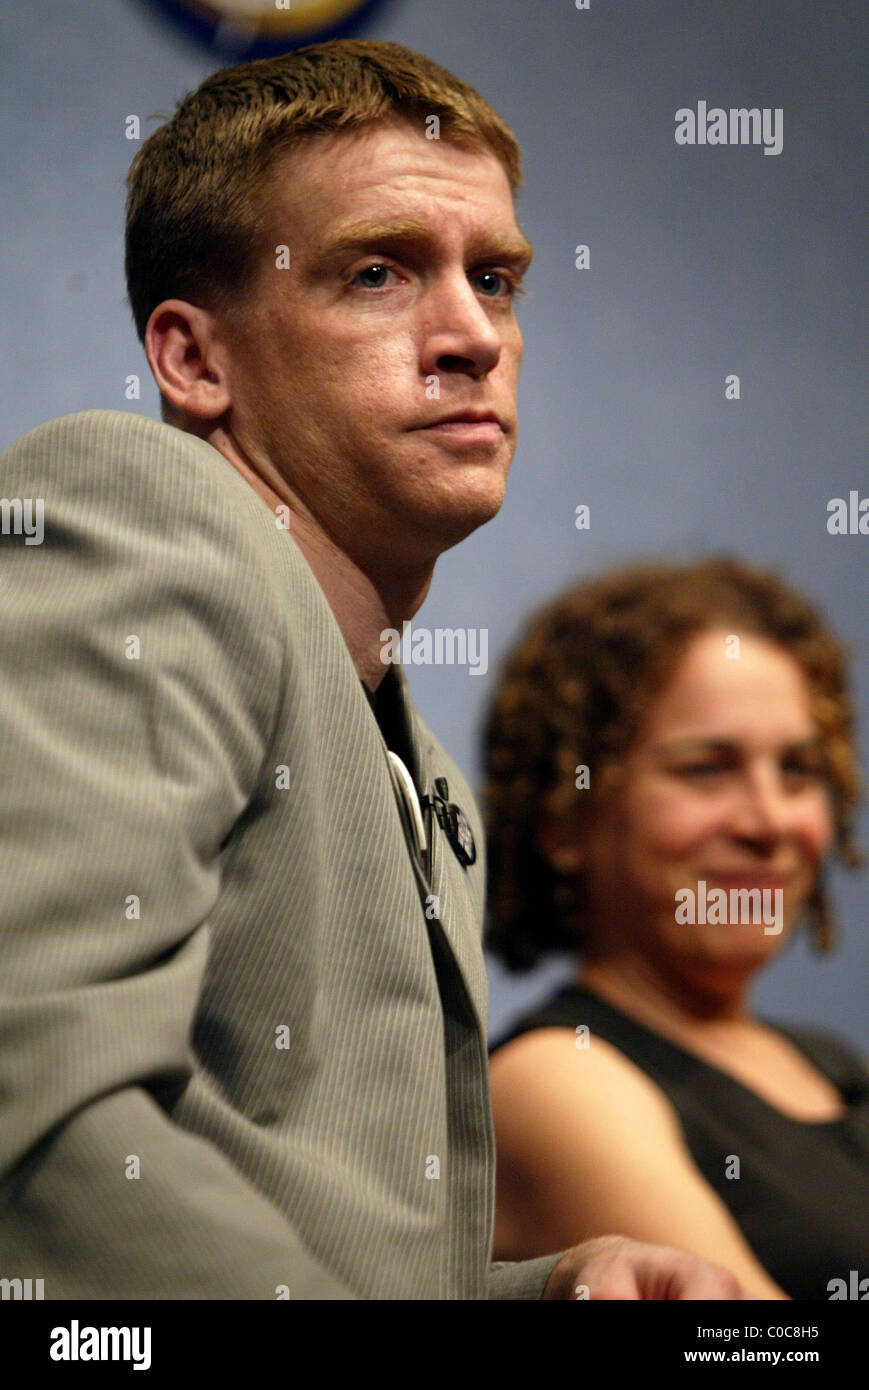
<point x="196" y="210"/>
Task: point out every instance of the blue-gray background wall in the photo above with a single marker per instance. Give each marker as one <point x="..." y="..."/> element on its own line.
<point x="704" y="262"/>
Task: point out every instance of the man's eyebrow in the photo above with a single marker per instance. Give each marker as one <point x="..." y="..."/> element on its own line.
<point x="359" y="233"/>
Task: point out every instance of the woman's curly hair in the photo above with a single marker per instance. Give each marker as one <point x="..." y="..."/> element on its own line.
<point x="572" y="692"/>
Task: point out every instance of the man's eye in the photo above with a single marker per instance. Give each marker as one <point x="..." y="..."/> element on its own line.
<point x="373" y="277"/>
<point x="494" y="285"/>
<point x="698" y="770"/>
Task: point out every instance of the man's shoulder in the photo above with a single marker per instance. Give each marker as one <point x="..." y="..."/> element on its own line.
<point x="129" y="503"/>
<point x="97" y="426"/>
<point x="120" y="451"/>
<point x="113" y="479"/>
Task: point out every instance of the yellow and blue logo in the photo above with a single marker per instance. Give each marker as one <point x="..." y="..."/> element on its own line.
<point x="257" y="28"/>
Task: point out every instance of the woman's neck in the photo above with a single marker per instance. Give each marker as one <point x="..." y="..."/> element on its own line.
<point x="663" y="999"/>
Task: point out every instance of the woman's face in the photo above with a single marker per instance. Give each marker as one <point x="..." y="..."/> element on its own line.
<point x="723" y="784"/>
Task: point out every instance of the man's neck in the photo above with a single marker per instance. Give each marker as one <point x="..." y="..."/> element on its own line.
<point x="363" y="607"/>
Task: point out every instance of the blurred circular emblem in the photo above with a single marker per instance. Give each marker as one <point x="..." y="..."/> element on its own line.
<point x="258" y="28"/>
<point x="460" y="835"/>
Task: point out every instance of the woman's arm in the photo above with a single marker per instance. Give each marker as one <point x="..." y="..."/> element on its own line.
<point x="589" y="1146"/>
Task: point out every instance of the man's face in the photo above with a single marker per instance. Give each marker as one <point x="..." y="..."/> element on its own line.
<point x="396" y="311"/>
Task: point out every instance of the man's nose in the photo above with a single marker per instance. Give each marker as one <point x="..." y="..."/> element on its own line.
<point x="460" y="336"/>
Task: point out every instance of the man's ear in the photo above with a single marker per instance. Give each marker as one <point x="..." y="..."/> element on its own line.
<point x="184" y="354"/>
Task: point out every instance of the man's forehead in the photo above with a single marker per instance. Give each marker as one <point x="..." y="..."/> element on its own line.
<point x="380" y="148"/>
<point x="388" y="178"/>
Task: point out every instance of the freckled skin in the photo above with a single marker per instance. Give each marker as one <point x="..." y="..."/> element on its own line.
<point x="327" y="367"/>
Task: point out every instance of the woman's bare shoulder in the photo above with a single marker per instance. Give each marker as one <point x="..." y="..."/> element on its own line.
<point x="580" y="1072"/>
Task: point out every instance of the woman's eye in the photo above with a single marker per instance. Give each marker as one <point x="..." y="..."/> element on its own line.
<point x="373" y="277"/>
<point x="699" y="770"/>
<point x="804" y="772"/>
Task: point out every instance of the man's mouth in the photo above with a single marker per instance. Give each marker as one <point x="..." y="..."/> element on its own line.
<point x="466" y="426"/>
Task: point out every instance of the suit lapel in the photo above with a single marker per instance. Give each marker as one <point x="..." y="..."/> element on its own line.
<point x="459" y="913"/>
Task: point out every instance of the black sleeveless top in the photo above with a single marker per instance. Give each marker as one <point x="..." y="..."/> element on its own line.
<point x="801" y="1198"/>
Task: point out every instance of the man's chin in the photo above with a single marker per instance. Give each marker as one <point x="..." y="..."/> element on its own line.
<point x="455" y="524"/>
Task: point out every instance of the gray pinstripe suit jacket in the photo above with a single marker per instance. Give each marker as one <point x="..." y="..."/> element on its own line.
<point x="200" y="849"/>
